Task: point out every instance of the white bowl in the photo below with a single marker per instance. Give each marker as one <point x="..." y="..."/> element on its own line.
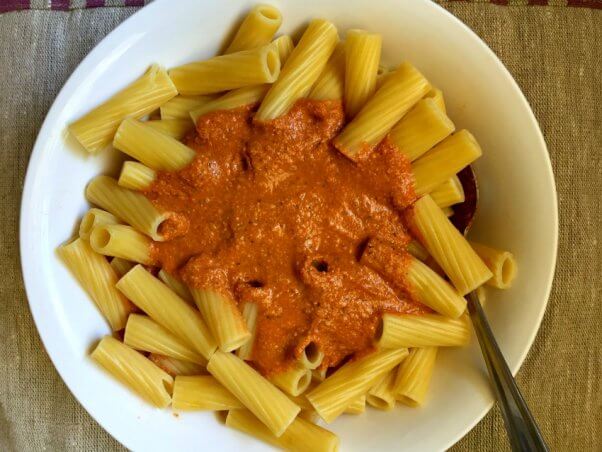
<point x="517" y="212"/>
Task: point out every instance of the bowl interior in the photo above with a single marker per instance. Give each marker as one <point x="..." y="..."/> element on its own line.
<point x="517" y="212"/>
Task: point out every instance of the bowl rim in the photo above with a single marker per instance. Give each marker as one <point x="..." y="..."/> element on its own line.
<point x="33" y="291"/>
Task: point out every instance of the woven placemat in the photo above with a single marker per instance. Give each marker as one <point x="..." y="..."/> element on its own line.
<point x="555" y="53"/>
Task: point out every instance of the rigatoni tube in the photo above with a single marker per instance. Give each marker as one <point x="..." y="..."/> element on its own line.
<point x="249" y="315"/>
<point x="175" y="128"/>
<point x="240" y="97"/>
<point x="423" y="283"/>
<point x="437" y="95"/>
<point x="285" y="47"/>
<point x="274" y="409"/>
<point x="226" y="72"/>
<point x="223" y="317"/>
<point x="381" y="395"/>
<point x="202" y="392"/>
<point x="95" y="217"/>
<point x="300" y="436"/>
<point x="501" y="263"/>
<point x="392" y="100"/>
<point x="180" y="106"/>
<point x="448" y="193"/>
<point x="175" y="367"/>
<point x="123" y="241"/>
<point x="447" y="246"/>
<point x="311" y="356"/>
<point x="293" y="381"/>
<point x="414" y="376"/>
<point x="331" y="82"/>
<point x="444" y="160"/>
<point x="428" y="330"/>
<point x="95" y="130"/>
<point x="151" y="147"/>
<point x="143" y="333"/>
<point x="257" y="28"/>
<point x="333" y="395"/>
<point x="136" y="176"/>
<point x="127" y="205"/>
<point x="362" y="55"/>
<point x="301" y="70"/>
<point x="167" y="309"/>
<point x="134" y="370"/>
<point x="98" y="279"/>
<point x="420" y="129"/>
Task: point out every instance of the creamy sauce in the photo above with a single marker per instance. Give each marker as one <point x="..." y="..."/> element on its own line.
<point x="277" y="216"/>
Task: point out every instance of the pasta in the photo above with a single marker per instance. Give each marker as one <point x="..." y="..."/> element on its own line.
<point x="421" y="128"/>
<point x="121" y="266"/>
<point x="221" y="73"/>
<point x="381" y="395"/>
<point x="98" y="279"/>
<point x="277" y="245"/>
<point x="142" y="333"/>
<point x="95" y="130"/>
<point x="285" y="47"/>
<point x="448" y="247"/>
<point x="167" y="309"/>
<point x="177" y="286"/>
<point x="444" y="160"/>
<point x="293" y="381"/>
<point x="180" y="106"/>
<point x="136" y="176"/>
<point x="362" y="55"/>
<point x="402" y="90"/>
<point x="301" y="70"/>
<point x="95" y="217"/>
<point x="223" y="317"/>
<point x="424" y="284"/>
<point x="448" y="193"/>
<point x="129" y="206"/>
<point x="335" y="394"/>
<point x="234" y="99"/>
<point x="151" y="147"/>
<point x="429" y="330"/>
<point x="175" y="128"/>
<point x="249" y="314"/>
<point x="257" y="29"/>
<point x="502" y="265"/>
<point x="176" y="367"/>
<point x="202" y="393"/>
<point x="122" y="241"/>
<point x="135" y="371"/>
<point x="275" y="410"/>
<point x="301" y="436"/>
<point x="414" y="376"/>
<point x="331" y="82"/>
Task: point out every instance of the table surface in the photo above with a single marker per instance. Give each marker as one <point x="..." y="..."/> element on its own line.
<point x="555" y="54"/>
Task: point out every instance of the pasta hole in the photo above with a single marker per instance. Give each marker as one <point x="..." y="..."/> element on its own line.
<point x="256" y="283"/>
<point x="273" y="62"/>
<point x="303" y="382"/>
<point x="312" y="352"/>
<point x="379" y="330"/>
<point x="100" y="238"/>
<point x="508" y="271"/>
<point x="268" y="12"/>
<point x="320" y="265"/>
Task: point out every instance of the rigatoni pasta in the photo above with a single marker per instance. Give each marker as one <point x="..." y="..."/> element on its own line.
<point x="290" y="207"/>
<point x="362" y="56"/>
<point x="402" y="90"/>
<point x="301" y="70"/>
<point x="135" y="371"/>
<point x="226" y="72"/>
<point x="98" y="279"/>
<point x="95" y="130"/>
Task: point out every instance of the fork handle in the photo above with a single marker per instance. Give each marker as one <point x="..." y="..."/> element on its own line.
<point x="523" y="433"/>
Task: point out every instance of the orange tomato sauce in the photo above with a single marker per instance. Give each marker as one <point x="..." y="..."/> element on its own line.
<point x="277" y="216"/>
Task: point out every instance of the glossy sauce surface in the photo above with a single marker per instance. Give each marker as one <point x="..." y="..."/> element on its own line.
<point x="277" y="216"/>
